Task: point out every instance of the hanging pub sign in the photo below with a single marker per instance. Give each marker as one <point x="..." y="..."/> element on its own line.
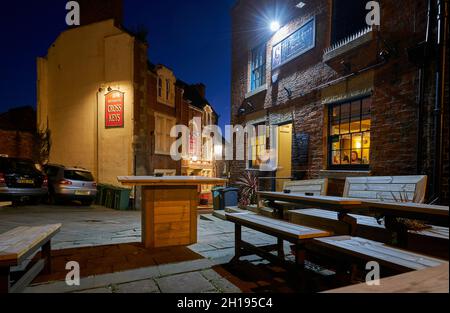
<point x="114" y="109"/>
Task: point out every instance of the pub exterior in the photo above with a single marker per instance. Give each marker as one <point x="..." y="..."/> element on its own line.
<point x="350" y="99"/>
<point x="109" y="109"/>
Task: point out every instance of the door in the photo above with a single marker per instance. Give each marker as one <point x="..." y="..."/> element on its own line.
<point x="284" y="169"/>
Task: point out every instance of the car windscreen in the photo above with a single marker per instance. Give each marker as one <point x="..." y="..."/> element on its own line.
<point x="17" y="166"/>
<point x="78" y="175"/>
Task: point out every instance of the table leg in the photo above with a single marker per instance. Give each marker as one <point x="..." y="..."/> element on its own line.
<point x="237" y="241"/>
<point x="350" y="221"/>
<point x="4" y="280"/>
<point x="300" y="255"/>
<point x="47" y="255"/>
<point x="280" y="248"/>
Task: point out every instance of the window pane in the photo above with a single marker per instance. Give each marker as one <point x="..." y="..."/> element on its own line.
<point x="356" y="109"/>
<point x="346" y="142"/>
<point x="365" y="124"/>
<point x="335" y="144"/>
<point x="345" y="157"/>
<point x="366" y="156"/>
<point x="356" y="157"/>
<point x="366" y="104"/>
<point x="355" y="127"/>
<point x="345" y="111"/>
<point x="366" y="140"/>
<point x="356" y="141"/>
<point x="336" y="157"/>
<point x="345" y="126"/>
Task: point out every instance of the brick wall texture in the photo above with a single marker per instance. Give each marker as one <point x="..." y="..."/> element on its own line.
<point x="393" y="83"/>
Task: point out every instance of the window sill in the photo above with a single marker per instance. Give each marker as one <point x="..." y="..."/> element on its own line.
<point x="343" y="174"/>
<point x="256" y="91"/>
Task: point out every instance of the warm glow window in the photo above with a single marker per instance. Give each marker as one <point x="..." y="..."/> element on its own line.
<point x="163" y="141"/>
<point x="258" y="68"/>
<point x="257" y="146"/>
<point x="349" y="134"/>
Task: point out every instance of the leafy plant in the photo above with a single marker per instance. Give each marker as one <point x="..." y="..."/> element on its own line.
<point x="248" y="185"/>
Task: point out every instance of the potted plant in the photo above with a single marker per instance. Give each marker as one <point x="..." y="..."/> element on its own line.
<point x="248" y="186"/>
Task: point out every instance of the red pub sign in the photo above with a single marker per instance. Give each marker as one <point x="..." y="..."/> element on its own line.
<point x="114" y="109"/>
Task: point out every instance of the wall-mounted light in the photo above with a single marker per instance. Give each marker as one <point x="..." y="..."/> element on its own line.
<point x="301" y="5"/>
<point x="109" y="89"/>
<point x="275" y="26"/>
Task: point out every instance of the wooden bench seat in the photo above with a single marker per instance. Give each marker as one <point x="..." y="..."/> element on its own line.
<point x="360" y="250"/>
<point x="282" y="230"/>
<point x="17" y="247"/>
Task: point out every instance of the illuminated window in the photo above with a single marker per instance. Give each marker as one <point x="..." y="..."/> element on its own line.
<point x="257" y="146"/>
<point x="349" y="134"/>
<point x="258" y="68"/>
<point x="163" y="126"/>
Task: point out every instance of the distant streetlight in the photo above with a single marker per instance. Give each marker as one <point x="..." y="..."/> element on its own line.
<point x="275" y="26"/>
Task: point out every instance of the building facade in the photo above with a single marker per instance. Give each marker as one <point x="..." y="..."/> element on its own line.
<point x="108" y="108"/>
<point x="350" y="99"/>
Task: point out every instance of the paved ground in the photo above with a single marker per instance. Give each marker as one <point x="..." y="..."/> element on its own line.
<point x="84" y="227"/>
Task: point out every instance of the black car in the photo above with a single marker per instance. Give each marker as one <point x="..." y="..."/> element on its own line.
<point x="21" y="180"/>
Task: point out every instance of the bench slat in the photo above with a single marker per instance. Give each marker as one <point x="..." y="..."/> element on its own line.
<point x="18" y="242"/>
<point x="375" y="251"/>
<point x="284" y="228"/>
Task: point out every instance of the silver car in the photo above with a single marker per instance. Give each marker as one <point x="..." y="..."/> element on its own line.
<point x="70" y="184"/>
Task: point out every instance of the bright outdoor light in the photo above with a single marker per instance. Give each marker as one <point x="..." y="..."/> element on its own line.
<point x="275" y="26"/>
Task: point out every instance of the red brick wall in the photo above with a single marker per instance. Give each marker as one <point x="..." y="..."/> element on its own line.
<point x="16" y="144"/>
<point x="395" y="87"/>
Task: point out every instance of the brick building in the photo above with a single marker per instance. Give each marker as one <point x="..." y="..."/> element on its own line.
<point x="352" y="99"/>
<point x="108" y="108"/>
<point x="18" y="133"/>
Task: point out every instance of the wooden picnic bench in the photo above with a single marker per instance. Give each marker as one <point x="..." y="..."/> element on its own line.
<point x="17" y="248"/>
<point x="283" y="231"/>
<point x="358" y="251"/>
<point x="431" y="241"/>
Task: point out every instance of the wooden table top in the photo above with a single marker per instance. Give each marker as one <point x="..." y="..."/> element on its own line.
<point x="292" y="197"/>
<point x="170" y="181"/>
<point x="430" y="280"/>
<point x="427" y="209"/>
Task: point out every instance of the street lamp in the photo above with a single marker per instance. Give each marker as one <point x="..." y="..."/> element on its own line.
<point x="275" y="26"/>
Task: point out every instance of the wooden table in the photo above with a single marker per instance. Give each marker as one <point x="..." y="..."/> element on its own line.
<point x="431" y="213"/>
<point x="343" y="206"/>
<point x="169" y="208"/>
<point x="431" y="280"/>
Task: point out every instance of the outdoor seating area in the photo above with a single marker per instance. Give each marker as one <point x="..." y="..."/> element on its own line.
<point x="378" y="219"/>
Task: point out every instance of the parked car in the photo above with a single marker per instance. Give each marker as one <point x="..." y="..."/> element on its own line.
<point x="70" y="184"/>
<point x="21" y="180"/>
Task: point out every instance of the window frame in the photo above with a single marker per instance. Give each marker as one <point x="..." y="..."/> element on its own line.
<point x="164" y="134"/>
<point x="263" y="67"/>
<point x="330" y="137"/>
<point x="250" y="163"/>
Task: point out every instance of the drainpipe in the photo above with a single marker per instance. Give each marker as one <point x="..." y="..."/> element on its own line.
<point x="441" y="49"/>
<point x="422" y="80"/>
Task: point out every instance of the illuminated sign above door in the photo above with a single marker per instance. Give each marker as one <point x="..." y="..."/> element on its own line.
<point x="114" y="109"/>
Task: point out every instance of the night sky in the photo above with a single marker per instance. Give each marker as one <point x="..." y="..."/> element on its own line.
<point x="192" y="37"/>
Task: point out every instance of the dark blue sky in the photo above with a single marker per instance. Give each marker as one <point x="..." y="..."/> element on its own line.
<point x="193" y="37"/>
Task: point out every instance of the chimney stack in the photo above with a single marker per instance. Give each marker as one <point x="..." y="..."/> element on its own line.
<point x="93" y="11"/>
